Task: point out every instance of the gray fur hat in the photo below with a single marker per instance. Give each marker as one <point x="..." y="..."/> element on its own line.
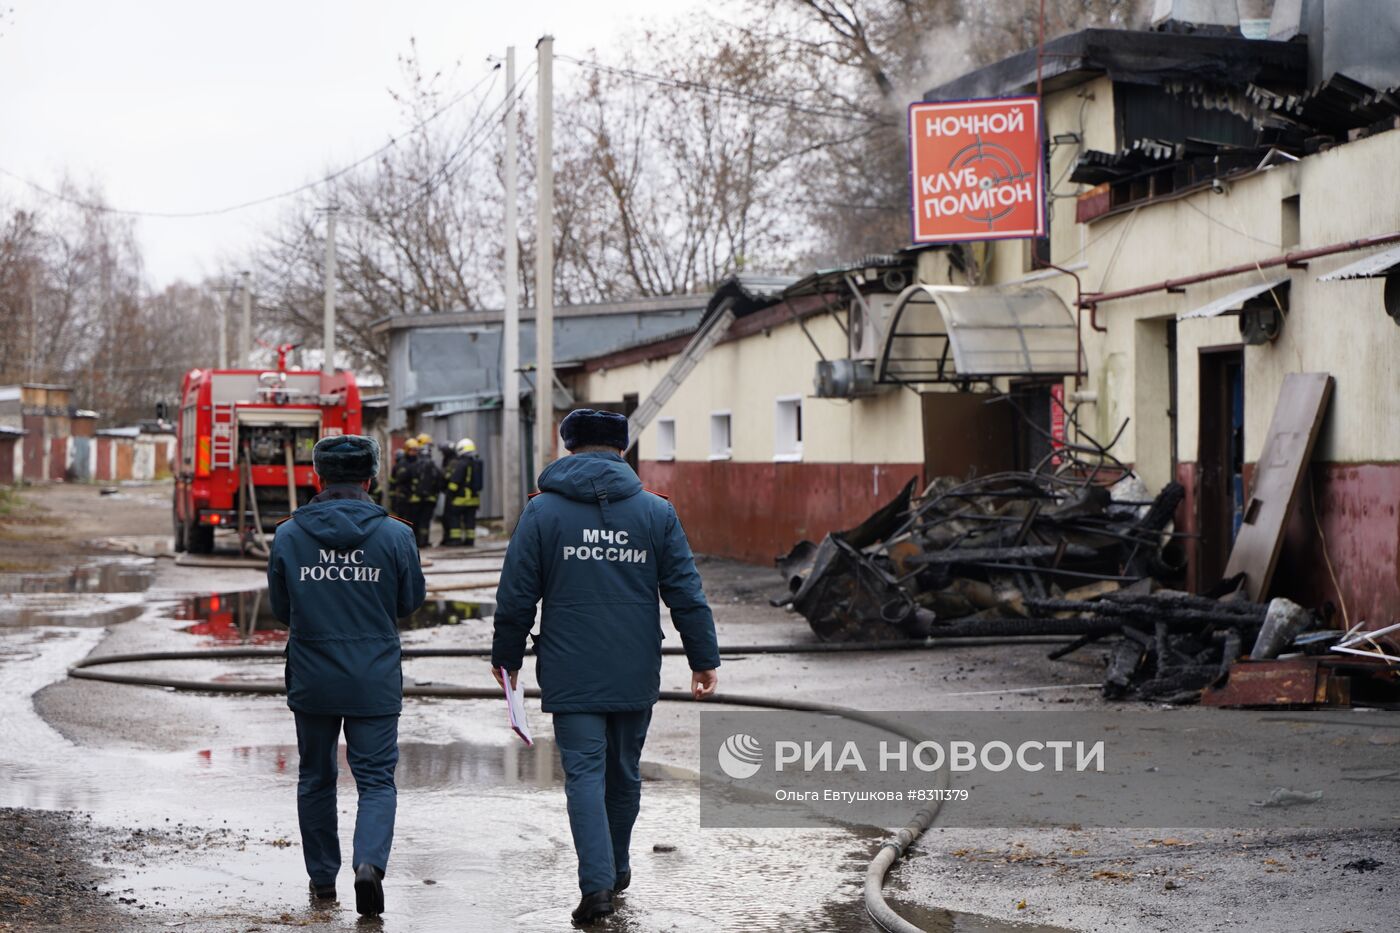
<point x="346" y="458"/>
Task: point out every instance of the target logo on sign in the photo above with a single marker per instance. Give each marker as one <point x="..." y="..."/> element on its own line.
<point x="976" y="170"/>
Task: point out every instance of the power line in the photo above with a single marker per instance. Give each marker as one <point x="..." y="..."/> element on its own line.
<point x="215" y="212"/>
<point x="699" y="86"/>
<point x="460" y="156"/>
<point x="1224" y="226"/>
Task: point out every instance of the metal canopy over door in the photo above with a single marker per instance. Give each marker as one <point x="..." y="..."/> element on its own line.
<point x="1376" y="265"/>
<point x="1234" y="301"/>
<point x="942" y="333"/>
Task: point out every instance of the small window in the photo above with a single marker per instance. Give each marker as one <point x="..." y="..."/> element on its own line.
<point x="666" y="439"/>
<point x="787" y="429"/>
<point x="720" y="439"/>
<point x="1291" y="222"/>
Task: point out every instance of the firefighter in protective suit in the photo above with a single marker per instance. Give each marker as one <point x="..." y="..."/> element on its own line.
<point x="463" y="495"/>
<point x="449" y="454"/>
<point x="401" y="479"/>
<point x="424" y="490"/>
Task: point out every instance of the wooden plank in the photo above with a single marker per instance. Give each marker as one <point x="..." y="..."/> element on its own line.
<point x="1302" y="402"/>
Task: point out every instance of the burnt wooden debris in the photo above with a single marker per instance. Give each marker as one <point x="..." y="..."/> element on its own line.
<point x="1035" y="554"/>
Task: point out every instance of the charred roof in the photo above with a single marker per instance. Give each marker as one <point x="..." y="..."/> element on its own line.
<point x="1129" y="56"/>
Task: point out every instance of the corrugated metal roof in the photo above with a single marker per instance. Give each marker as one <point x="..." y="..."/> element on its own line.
<point x="1373" y="266"/>
<point x="1135" y="56"/>
<point x="834" y="279"/>
<point x="1336" y="105"/>
<point x="1232" y="301"/>
<point x="748" y="293"/>
<point x="492" y="316"/>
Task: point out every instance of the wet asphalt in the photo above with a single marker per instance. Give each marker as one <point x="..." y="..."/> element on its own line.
<point x="204" y="786"/>
<point x="199" y="790"/>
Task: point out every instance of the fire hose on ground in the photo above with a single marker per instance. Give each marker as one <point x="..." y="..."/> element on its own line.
<point x="889" y="853"/>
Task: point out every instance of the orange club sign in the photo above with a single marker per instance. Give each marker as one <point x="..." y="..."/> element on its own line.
<point x="976" y="170"/>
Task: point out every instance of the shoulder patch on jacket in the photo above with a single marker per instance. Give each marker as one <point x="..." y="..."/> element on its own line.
<point x="533" y="494"/>
<point x="404" y="520"/>
<point x="281" y="520"/>
<point x="660" y="495"/>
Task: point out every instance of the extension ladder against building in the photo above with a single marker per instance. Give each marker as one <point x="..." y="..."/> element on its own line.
<point x="709" y="334"/>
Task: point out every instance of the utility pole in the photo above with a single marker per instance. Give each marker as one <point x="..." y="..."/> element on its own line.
<point x="544" y="263"/>
<point x="223" y="333"/>
<point x="510" y="348"/>
<point x="245" y="326"/>
<point x="328" y="325"/>
<point x="33" y="324"/>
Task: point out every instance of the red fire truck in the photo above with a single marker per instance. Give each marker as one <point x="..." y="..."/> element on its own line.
<point x="243" y="446"/>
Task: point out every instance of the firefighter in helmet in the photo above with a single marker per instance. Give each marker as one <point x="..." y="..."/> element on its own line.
<point x="401" y="478"/>
<point x="424" y="490"/>
<point x="449" y="453"/>
<point x="463" y="494"/>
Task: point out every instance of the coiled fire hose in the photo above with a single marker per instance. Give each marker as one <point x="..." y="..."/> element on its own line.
<point x="889" y="853"/>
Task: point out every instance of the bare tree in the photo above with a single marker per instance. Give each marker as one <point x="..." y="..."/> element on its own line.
<point x="76" y="310"/>
<point x="877" y="56"/>
<point x="709" y="146"/>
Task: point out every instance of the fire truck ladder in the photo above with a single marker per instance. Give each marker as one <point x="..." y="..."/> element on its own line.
<point x="709" y="334"/>
<point x="221" y="441"/>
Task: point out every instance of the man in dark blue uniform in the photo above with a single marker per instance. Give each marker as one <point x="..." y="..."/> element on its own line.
<point x="597" y="549"/>
<point x="341" y="575"/>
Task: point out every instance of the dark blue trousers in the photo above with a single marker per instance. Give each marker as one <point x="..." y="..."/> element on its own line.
<point x="601" y="754"/>
<point x="372" y="750"/>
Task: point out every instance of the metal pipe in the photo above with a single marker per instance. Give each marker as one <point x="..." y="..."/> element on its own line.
<point x="1294" y="259"/>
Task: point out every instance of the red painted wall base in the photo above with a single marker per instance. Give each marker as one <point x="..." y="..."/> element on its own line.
<point x="1359" y="507"/>
<point x="755" y="512"/>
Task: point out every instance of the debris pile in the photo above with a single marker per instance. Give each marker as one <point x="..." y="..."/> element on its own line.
<point x="1078" y="547"/>
<point x="980" y="551"/>
<point x="1033" y="554"/>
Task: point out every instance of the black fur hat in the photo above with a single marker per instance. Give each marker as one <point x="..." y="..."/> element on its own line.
<point x="345" y="458"/>
<point x="588" y="428"/>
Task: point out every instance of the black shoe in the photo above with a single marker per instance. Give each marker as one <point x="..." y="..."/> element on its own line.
<point x="369" y="891"/>
<point x="624" y="878"/>
<point x="595" y="905"/>
<point x="322" y="892"/>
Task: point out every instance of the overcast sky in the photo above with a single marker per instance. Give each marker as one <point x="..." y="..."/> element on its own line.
<point x="179" y="105"/>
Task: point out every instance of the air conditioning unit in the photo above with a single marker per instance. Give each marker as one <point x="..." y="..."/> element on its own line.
<point x="867" y="331"/>
<point x="846" y="379"/>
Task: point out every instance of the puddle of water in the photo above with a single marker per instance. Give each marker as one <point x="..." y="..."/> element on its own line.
<point x="88" y="596"/>
<point x="422" y="765"/>
<point x="28" y="610"/>
<point x="245" y="618"/>
<point x="935" y="920"/>
<point x="117" y="575"/>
